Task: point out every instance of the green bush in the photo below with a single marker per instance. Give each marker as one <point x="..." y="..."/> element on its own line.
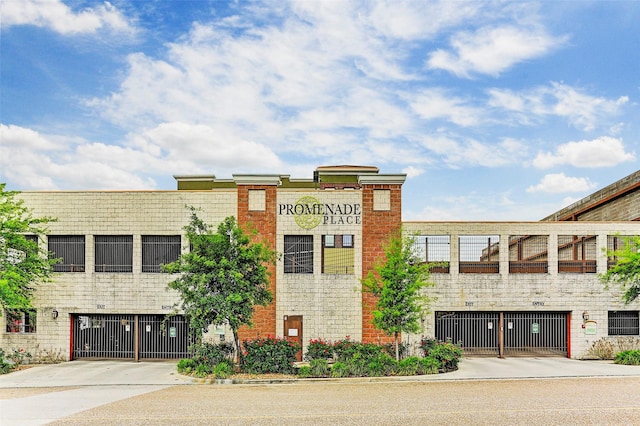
<point x="339" y="369"/>
<point x="319" y="349"/>
<point x="357" y="350"/>
<point x="202" y="370"/>
<point x="381" y="365"/>
<point x="269" y="355"/>
<point x="17" y="358"/>
<point x="187" y="365"/>
<point x="631" y="357"/>
<point x="408" y="366"/>
<point x="223" y="370"/>
<point x="447" y="353"/>
<point x="429" y="365"/>
<point x="304" y="372"/>
<point x="390" y="348"/>
<point x="319" y="367"/>
<point x="213" y="353"/>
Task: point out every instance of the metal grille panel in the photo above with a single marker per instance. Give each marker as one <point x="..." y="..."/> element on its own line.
<point x="103" y="336"/>
<point x="158" y="250"/>
<point x="114" y="253"/>
<point x="623" y="323"/>
<point x="69" y="248"/>
<point x="298" y="254"/>
<point x="163" y="340"/>
<point x="476" y="331"/>
<point x="535" y="333"/>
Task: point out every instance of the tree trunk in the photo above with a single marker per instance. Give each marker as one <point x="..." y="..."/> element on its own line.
<point x="395" y="334"/>
<point x="239" y="356"/>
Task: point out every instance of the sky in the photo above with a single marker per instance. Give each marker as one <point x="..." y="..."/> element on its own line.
<point x="494" y="110"/>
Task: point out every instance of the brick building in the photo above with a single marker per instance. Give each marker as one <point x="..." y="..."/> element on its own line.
<point x="503" y="288"/>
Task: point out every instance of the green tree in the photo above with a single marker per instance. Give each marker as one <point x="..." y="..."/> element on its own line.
<point x="222" y="278"/>
<point x="626" y="271"/>
<point x="22" y="263"/>
<point x="398" y="281"/>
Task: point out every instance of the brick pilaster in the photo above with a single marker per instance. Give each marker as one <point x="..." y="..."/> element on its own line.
<point x="264" y="222"/>
<point x="377" y="225"/>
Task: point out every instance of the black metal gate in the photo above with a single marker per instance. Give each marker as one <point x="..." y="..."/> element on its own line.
<point x="525" y="333"/>
<point x="477" y="331"/>
<point x="130" y="336"/>
<point x="535" y="334"/>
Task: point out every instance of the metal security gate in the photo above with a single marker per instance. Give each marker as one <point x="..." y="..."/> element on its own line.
<point x="129" y="336"/>
<point x="477" y="331"/>
<point x="524" y="333"/>
<point x="535" y="334"/>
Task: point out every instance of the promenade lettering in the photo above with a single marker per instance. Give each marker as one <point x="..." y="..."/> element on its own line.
<point x="309" y="213"/>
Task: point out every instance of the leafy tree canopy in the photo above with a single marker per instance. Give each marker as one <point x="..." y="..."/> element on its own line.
<point x="398" y="281"/>
<point x="626" y="271"/>
<point x="22" y="263"/>
<point x="222" y="277"/>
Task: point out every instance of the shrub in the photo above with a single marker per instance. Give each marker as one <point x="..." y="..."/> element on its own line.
<point x="304" y="372"/>
<point x="213" y="353"/>
<point x="601" y="349"/>
<point x="270" y="355"/>
<point x="5" y="367"/>
<point x="408" y="366"/>
<point x="339" y="369"/>
<point x="390" y="348"/>
<point x="631" y="357"/>
<point x="341" y="346"/>
<point x="319" y="368"/>
<point x="429" y="365"/>
<point x="381" y="365"/>
<point x="353" y="350"/>
<point x="319" y="349"/>
<point x="446" y="353"/>
<point x="222" y="370"/>
<point x="187" y="366"/>
<point x="202" y="370"/>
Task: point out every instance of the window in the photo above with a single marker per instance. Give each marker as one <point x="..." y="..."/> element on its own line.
<point x="623" y="323"/>
<point x="433" y="249"/>
<point x="577" y="253"/>
<point x="617" y="242"/>
<point x="298" y="254"/>
<point x="70" y="250"/>
<point x="528" y="254"/>
<point x="337" y="254"/>
<point x="21" y="321"/>
<point x="114" y="253"/>
<point x="159" y="250"/>
<point x="479" y="254"/>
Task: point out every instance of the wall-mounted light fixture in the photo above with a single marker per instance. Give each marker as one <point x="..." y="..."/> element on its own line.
<point x="54" y="314"/>
<point x="585" y="316"/>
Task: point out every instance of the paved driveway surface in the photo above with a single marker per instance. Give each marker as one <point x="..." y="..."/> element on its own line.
<point x="42" y="394"/>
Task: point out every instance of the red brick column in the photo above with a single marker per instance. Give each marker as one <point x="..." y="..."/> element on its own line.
<point x="376" y="228"/>
<point x="264" y="222"/>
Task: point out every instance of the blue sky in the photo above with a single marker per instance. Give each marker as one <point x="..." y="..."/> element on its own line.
<point x="494" y="110"/>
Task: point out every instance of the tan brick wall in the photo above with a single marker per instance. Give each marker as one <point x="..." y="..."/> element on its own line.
<point x="92" y="213"/>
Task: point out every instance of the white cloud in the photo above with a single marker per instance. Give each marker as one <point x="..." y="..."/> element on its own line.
<point x="583" y="111"/>
<point x="412" y="171"/>
<point x="437" y="103"/>
<point x="469" y="152"/>
<point x="57" y="16"/>
<point x="492" y="50"/>
<point x="559" y="183"/>
<point x="601" y="152"/>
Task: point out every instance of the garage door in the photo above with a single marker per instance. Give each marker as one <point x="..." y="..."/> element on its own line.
<point x="524" y="333"/>
<point x="135" y="337"/>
